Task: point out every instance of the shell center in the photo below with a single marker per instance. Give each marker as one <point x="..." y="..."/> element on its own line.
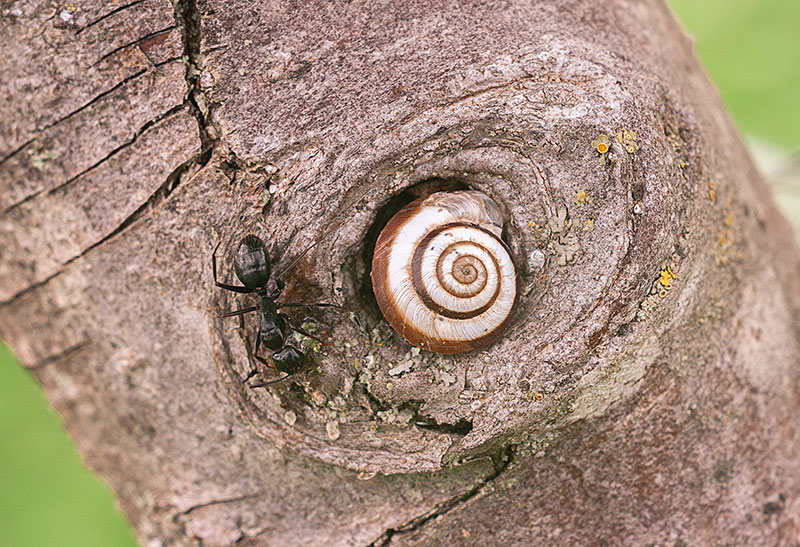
<point x="465" y="269"/>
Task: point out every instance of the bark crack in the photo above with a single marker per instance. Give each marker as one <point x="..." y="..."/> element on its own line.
<point x="133" y="43"/>
<point x="138" y="133"/>
<point x="181" y="522"/>
<point x="58" y="356"/>
<point x="107" y="15"/>
<point x="188" y="18"/>
<point x="162" y="192"/>
<point x="218" y="502"/>
<point x="80" y="109"/>
<point x="15" y="151"/>
<point x="77" y="111"/>
<point x="501" y="462"/>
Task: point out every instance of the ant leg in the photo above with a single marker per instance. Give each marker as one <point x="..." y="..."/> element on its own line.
<point x="234" y="288"/>
<point x="255" y="351"/>
<point x="239" y="312"/>
<point x="253" y="372"/>
<point x="309" y="305"/>
<point x="262" y="361"/>
<point x="279" y="286"/>
<point x="297" y="328"/>
<point x="264" y="384"/>
<point x="250" y="375"/>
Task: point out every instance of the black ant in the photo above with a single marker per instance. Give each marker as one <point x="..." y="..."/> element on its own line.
<point x="252" y="266"/>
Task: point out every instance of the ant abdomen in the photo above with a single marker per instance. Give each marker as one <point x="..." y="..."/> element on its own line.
<point x="251" y="263"/>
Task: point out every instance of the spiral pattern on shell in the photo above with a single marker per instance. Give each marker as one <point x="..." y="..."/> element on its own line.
<point x="442" y="276"/>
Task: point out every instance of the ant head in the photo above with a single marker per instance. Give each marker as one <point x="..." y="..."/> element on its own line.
<point x="289" y="360"/>
<point x="251" y="263"/>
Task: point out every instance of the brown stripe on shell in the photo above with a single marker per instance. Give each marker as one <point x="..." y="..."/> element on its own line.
<point x="380" y="266"/>
<point x="416" y="274"/>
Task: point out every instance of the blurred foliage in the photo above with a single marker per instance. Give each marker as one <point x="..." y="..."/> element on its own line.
<point x="47" y="496"/>
<point x="752" y="52"/>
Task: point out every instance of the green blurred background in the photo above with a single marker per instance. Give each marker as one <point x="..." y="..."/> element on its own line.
<point x="752" y="52"/>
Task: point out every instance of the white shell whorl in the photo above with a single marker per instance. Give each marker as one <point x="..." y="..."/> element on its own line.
<point x="442" y="276"/>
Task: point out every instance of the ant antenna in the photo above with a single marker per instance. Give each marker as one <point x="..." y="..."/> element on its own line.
<point x="291" y="265"/>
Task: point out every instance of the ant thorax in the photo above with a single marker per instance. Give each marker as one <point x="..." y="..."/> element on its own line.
<point x="272" y="327"/>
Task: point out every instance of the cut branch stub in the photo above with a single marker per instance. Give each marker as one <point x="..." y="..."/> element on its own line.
<point x="590" y="238"/>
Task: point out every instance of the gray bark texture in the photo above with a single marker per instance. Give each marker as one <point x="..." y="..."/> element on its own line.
<point x="647" y="391"/>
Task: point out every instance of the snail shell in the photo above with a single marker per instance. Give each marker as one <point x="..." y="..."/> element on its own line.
<point x="442" y="276"/>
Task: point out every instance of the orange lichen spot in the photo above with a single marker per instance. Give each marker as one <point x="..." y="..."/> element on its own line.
<point x="539" y="396"/>
<point x="601" y="143"/>
<point x="712" y="193"/>
<point x="662" y="293"/>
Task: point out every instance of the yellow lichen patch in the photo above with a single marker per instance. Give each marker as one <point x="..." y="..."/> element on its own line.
<point x="729" y="219"/>
<point x="712" y="193"/>
<point x="588" y="225"/>
<point x="627" y="138"/>
<point x="582" y="198"/>
<point x="726" y="247"/>
<point x="666" y="277"/>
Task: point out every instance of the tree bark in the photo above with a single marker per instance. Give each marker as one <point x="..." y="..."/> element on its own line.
<point x="647" y="391"/>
